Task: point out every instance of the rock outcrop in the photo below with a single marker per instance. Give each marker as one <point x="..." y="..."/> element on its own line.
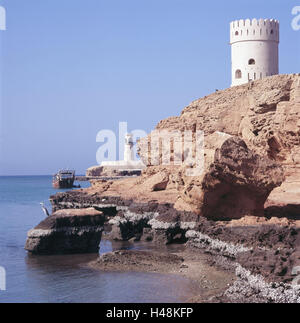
<point x="67" y="232"/>
<point x="265" y="255"/>
<point x="133" y="260"/>
<point x="264" y="113"/>
<point x="110" y="171"/>
<point x="233" y="183"/>
<point x="236" y="208"/>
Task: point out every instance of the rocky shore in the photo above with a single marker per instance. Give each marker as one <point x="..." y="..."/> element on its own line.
<point x="261" y="251"/>
<point x="209" y="282"/>
<point x="67" y="232"/>
<point x="240" y="215"/>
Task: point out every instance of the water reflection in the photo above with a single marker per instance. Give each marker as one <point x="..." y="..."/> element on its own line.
<point x="67" y="278"/>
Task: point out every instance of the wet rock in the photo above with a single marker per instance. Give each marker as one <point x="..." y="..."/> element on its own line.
<point x="127" y="225"/>
<point x="131" y="260"/>
<point x="67" y="232"/>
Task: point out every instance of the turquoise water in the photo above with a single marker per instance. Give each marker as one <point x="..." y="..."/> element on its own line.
<point x="66" y="278"/>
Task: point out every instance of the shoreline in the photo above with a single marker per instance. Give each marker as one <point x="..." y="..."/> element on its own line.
<point x="209" y="282"/>
<point x="260" y="252"/>
<point x="241" y="210"/>
<point x="257" y="253"/>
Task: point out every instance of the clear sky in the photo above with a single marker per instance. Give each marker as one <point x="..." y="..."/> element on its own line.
<point x="70" y="68"/>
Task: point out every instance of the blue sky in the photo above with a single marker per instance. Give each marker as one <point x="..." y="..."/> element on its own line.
<point x="70" y="68"/>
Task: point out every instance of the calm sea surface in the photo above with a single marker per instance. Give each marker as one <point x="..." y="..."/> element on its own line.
<point x="66" y="278"/>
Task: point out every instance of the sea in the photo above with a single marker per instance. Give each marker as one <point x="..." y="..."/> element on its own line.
<point x="25" y="278"/>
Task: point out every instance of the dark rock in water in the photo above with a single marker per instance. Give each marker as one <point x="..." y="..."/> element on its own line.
<point x="67" y="232"/>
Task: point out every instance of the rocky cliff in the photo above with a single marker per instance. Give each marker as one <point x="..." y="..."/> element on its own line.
<point x="242" y="208"/>
<point x="234" y="182"/>
<point x="264" y="113"/>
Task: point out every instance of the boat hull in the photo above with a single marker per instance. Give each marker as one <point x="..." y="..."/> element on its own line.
<point x="63" y="183"/>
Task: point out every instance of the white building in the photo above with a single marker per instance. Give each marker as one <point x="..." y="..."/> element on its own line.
<point x="129" y="162"/>
<point x="254" y="49"/>
<point x="128" y="150"/>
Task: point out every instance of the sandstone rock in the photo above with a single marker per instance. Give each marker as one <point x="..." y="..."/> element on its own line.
<point x="284" y="201"/>
<point x="66" y="232"/>
<point x="265" y="114"/>
<point x="235" y="181"/>
<point x="252" y="137"/>
<point x="156" y="182"/>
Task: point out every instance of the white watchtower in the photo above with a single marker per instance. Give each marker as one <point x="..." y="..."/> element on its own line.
<point x="254" y="49"/>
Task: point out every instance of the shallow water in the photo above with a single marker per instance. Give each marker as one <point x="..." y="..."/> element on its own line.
<point x="66" y="278"/>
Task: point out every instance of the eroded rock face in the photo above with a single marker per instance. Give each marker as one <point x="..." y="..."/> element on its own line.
<point x="67" y="232"/>
<point x="156" y="181"/>
<point x="235" y="183"/>
<point x="265" y="114"/>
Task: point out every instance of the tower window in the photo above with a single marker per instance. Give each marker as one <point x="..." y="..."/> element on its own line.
<point x="236" y="33"/>
<point x="272" y="31"/>
<point x="251" y="61"/>
<point x="238" y="74"/>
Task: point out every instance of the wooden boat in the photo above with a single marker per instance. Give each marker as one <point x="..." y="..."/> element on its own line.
<point x="63" y="179"/>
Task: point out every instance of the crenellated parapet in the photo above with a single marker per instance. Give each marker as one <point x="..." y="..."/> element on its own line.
<point x="254" y="49"/>
<point x="255" y="29"/>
